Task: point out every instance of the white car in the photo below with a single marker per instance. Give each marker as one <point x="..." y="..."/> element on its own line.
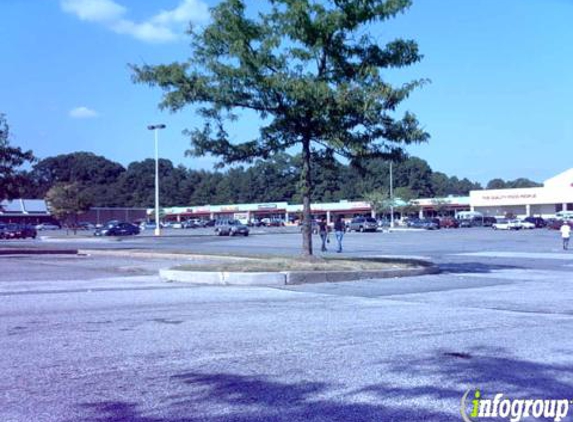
<point x="506" y="224"/>
<point x="47" y="226"/>
<point x="526" y="225"/>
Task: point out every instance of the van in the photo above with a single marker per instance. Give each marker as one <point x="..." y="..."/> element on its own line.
<point x="564" y="215"/>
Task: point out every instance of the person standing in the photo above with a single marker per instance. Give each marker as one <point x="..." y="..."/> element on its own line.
<point x="339" y="230"/>
<point x="323" y="232"/>
<point x="565" y="234"/>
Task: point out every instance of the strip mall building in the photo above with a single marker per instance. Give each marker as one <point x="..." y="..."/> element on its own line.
<point x="555" y="195"/>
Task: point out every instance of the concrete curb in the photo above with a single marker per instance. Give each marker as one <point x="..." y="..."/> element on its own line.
<point x="31" y="251"/>
<point x="289" y="277"/>
<point x="225" y="278"/>
<point x="140" y="253"/>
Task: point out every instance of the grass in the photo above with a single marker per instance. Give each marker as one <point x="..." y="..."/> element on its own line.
<point x="290" y="264"/>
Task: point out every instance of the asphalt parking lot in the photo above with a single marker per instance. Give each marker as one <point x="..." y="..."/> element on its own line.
<point x="101" y="338"/>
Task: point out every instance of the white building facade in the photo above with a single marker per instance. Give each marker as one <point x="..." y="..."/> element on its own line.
<point x="554" y="196"/>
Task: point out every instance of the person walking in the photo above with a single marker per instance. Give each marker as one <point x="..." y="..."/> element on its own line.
<point x="565" y="234"/>
<point x="339" y="230"/>
<point x="323" y="232"/>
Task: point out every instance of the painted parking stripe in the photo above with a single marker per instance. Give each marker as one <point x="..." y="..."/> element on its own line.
<point x="564" y="256"/>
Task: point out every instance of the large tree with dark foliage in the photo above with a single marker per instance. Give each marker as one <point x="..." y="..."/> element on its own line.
<point x="11" y="159"/>
<point x="308" y="69"/>
<point x="96" y="174"/>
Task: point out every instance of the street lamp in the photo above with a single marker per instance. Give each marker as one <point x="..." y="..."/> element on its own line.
<point x="155" y="128"/>
<point x="391" y="197"/>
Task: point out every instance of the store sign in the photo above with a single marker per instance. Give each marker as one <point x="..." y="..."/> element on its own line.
<point x="502" y="197"/>
<point x="229" y="209"/>
<point x="267" y="207"/>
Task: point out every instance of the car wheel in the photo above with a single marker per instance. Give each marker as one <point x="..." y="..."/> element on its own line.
<point x="246" y="234"/>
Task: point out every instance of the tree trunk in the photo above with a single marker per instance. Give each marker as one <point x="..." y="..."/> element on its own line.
<point x="306" y="187"/>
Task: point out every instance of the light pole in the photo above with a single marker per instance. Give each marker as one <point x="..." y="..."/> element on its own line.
<point x="156" y="128"/>
<point x="391" y="198"/>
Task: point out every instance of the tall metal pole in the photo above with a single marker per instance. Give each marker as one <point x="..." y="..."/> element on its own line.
<point x="156" y="128"/>
<point x="391" y="198"/>
<point x="157" y="227"/>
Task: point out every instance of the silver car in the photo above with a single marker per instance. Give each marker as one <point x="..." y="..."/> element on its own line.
<point x="363" y="224"/>
<point x="231" y="228"/>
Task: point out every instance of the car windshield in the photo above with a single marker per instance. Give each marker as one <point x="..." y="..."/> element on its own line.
<point x="371" y="220"/>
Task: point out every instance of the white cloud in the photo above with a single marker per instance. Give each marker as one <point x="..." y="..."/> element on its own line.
<point x="165" y="26"/>
<point x="94" y="10"/>
<point x="83" y="113"/>
<point x="188" y="10"/>
<point x="144" y="31"/>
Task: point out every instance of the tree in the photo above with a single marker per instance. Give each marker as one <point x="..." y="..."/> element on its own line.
<point x="406" y="195"/>
<point x="95" y="173"/>
<point x="379" y="201"/>
<point x="11" y="159"/>
<point x="136" y="186"/>
<point x="310" y="72"/>
<point x="68" y="200"/>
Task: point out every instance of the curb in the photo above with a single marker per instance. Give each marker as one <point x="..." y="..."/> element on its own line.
<point x="140" y="253"/>
<point x="288" y="277"/>
<point x="15" y="251"/>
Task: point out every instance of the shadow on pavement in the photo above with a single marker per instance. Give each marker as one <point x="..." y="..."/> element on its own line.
<point x="236" y="398"/>
<point x="445" y="376"/>
<point x="473" y="267"/>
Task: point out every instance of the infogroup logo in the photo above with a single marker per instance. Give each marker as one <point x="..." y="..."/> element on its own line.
<point x="475" y="407"/>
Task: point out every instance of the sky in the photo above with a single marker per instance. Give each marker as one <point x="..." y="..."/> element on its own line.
<point x="499" y="104"/>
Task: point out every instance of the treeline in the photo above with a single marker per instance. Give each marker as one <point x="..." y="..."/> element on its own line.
<point x="108" y="183"/>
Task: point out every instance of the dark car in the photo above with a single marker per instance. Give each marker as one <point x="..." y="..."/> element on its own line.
<point x="117" y="229"/>
<point x="538" y="221"/>
<point x="28" y="231"/>
<point x="555" y="223"/>
<point x="488" y="221"/>
<point x="11" y="231"/>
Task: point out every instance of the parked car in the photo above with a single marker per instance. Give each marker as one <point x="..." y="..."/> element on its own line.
<point x="538" y="221"/>
<point x="419" y="223"/>
<point x="147" y="226"/>
<point x="47" y="226"/>
<point x="449" y="223"/>
<point x="10" y="231"/>
<point x="488" y="221"/>
<point x="506" y="224"/>
<point x="555" y="223"/>
<point x="117" y="229"/>
<point x="231" y="228"/>
<point x="27" y="230"/>
<point x="84" y="225"/>
<point x="363" y="224"/>
<point x="523" y="224"/>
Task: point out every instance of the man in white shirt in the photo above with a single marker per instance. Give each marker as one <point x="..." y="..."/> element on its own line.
<point x="565" y="234"/>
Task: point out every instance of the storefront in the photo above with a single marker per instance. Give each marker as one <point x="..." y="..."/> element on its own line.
<point x="555" y="195"/>
<point x="273" y="211"/>
<point x="25" y="211"/>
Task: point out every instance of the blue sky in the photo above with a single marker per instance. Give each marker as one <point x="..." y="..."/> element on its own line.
<point x="499" y="105"/>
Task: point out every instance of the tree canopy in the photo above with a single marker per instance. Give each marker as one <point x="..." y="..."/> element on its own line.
<point x="11" y="159"/>
<point x="311" y="73"/>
